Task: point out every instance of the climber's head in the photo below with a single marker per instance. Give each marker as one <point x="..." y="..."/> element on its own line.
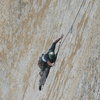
<point x="51" y="55"/>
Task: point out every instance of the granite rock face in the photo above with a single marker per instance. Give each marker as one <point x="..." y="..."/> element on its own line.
<point x="28" y="28"/>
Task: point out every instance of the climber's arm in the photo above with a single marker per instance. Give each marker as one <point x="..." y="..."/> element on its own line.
<point x="50" y="64"/>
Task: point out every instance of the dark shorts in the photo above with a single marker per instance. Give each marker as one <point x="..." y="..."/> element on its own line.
<point x="44" y="76"/>
<point x="43" y="67"/>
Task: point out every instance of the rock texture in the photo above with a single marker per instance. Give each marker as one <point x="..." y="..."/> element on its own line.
<point x="28" y="28"/>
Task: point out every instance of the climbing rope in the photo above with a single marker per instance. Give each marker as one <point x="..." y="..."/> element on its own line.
<point x="70" y="29"/>
<point x="59" y="46"/>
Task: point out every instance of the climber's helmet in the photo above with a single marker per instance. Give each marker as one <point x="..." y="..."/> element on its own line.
<point x="52" y="55"/>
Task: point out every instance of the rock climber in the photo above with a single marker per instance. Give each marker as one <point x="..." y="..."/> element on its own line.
<point x="46" y="61"/>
